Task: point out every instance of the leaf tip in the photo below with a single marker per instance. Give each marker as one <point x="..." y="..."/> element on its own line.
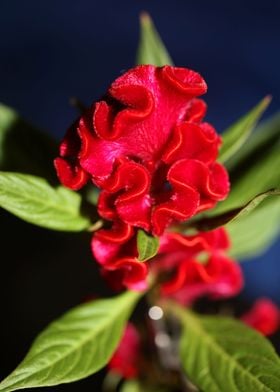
<point x="145" y="18"/>
<point x="266" y="101"/>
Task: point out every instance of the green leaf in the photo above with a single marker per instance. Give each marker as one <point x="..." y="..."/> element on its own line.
<point x="263" y="174"/>
<point x="147" y="246"/>
<point x="23" y="148"/>
<point x="75" y="346"/>
<point x="210" y="223"/>
<point x="254" y="233"/>
<point x="264" y="137"/>
<point x="91" y="194"/>
<point x="34" y="200"/>
<point x="253" y="170"/>
<point x="131" y="386"/>
<point x="136" y="386"/>
<point x="151" y="49"/>
<point x="222" y="354"/>
<point x="235" y="136"/>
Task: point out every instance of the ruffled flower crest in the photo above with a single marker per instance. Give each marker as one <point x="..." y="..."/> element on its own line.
<point x="145" y="147"/>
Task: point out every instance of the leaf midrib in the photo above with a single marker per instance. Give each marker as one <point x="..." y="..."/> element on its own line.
<point x="66" y="354"/>
<point x="63" y="208"/>
<point x="190" y="320"/>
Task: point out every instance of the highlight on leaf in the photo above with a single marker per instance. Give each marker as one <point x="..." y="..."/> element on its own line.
<point x="34" y="200"/>
<point x="147" y="245"/>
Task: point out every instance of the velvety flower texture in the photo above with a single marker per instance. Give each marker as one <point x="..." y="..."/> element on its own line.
<point x="116" y="251"/>
<point x="125" y="359"/>
<point x="145" y="146"/>
<point x="190" y="266"/>
<point x="198" y="266"/>
<point x="264" y="316"/>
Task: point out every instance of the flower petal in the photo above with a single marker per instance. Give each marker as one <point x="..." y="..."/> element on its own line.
<point x="264" y="316"/>
<point x="192" y="141"/>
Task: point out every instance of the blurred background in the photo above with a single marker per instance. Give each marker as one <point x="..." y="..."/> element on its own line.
<point x="53" y="50"/>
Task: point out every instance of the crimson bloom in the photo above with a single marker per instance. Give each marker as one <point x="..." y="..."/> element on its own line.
<point x="191" y="266"/>
<point x="116" y="251"/>
<point x="264" y="316"/>
<point x="145" y="146"/>
<point x="199" y="266"/>
<point x="125" y="359"/>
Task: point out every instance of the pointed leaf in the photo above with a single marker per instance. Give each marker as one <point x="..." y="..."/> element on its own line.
<point x="238" y="133"/>
<point x="147" y="245"/>
<point x="75" y="346"/>
<point x="151" y="49"/>
<point x="23" y="148"/>
<point x="264" y="137"/>
<point x="210" y="223"/>
<point x="222" y="354"/>
<point x="34" y="200"/>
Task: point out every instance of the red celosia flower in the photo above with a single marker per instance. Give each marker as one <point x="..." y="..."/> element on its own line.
<point x="198" y="265"/>
<point x="194" y="265"/>
<point x="125" y="358"/>
<point x="116" y="251"/>
<point x="264" y="316"/>
<point x="145" y="146"/>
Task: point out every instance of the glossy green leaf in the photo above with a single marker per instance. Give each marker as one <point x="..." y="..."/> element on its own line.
<point x="253" y="170"/>
<point x="23" y="148"/>
<point x="222" y="354"/>
<point x="237" y="134"/>
<point x="147" y="245"/>
<point x="254" y="233"/>
<point x="151" y="49"/>
<point x="34" y="200"/>
<point x="210" y="223"/>
<point x="75" y="346"/>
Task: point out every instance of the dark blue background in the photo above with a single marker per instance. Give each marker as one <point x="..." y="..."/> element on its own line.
<point x="53" y="50"/>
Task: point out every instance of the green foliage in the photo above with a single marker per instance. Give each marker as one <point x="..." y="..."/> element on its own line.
<point x="254" y="233"/>
<point x="254" y="169"/>
<point x="23" y="148"/>
<point x="237" y="134"/>
<point x="34" y="200"/>
<point x="257" y="178"/>
<point x="135" y="386"/>
<point x="151" y="49"/>
<point x="222" y="354"/>
<point x="147" y="245"/>
<point x="210" y="223"/>
<point x="131" y="386"/>
<point x="75" y="346"/>
<point x="264" y="137"/>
